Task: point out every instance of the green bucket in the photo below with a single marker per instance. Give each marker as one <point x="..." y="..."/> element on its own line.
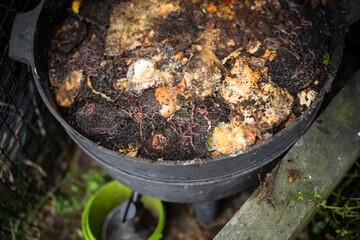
<point x="108" y="197"/>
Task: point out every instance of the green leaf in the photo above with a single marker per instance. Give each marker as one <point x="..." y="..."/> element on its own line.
<point x="74" y="188"/>
<point x="319" y="227"/>
<point x="326" y="59"/>
<point x="342" y="232"/>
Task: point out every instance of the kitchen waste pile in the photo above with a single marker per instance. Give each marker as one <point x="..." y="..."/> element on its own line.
<point x="190" y="79"/>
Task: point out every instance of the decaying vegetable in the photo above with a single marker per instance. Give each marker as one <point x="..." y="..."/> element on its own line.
<point x="306" y="97"/>
<point x="230" y="138"/>
<point x="259" y="104"/>
<point x="131" y="23"/>
<point x="69" y="89"/>
<point x="166" y="100"/>
<point x="75" y="6"/>
<point x="169" y="79"/>
<point x="142" y="75"/>
<point x="158" y="142"/>
<point x="130" y="151"/>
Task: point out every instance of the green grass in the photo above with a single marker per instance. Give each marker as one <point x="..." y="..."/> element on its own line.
<point x="80" y="190"/>
<point x="339" y="215"/>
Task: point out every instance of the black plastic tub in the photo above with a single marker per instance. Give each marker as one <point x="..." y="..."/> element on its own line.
<point x="174" y="181"/>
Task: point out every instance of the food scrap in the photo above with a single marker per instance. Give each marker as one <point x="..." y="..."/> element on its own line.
<point x="293" y="175"/>
<point x="69" y="89"/>
<point x="179" y="80"/>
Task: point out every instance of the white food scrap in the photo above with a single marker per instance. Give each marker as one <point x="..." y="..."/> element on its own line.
<point x="253" y="47"/>
<point x="242" y="82"/>
<point x="307" y="97"/>
<point x="277" y="106"/>
<point x="261" y="104"/>
<point x="142" y="75"/>
<point x="230" y="137"/>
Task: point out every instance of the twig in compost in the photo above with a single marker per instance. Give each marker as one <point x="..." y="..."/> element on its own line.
<point x="267" y="187"/>
<point x="89" y="84"/>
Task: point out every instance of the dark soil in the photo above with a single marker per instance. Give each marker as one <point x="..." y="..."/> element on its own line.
<point x="125" y="121"/>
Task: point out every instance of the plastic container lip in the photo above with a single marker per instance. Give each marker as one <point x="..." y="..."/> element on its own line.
<point x="109" y="189"/>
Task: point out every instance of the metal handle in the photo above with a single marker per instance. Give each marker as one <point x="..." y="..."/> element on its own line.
<point x="135" y="202"/>
<point x="22" y="35"/>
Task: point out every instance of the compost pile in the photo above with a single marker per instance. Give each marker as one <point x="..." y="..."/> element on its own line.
<point x="178" y="80"/>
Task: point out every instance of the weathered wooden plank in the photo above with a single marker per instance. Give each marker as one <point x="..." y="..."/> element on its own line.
<point x="322" y="157"/>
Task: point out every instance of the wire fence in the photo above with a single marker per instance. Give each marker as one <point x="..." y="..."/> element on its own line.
<point x="31" y="142"/>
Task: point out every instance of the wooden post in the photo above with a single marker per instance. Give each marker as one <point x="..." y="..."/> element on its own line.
<point x="316" y="163"/>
